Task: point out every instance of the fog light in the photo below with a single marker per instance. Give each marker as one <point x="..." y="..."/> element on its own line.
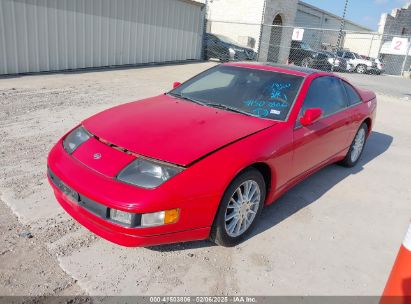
<point x="121" y="216"/>
<point x="160" y="218"/>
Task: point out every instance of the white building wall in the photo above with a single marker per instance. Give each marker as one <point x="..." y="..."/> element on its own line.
<point x="309" y="16"/>
<point x="363" y="43"/>
<point x="40" y="35"/>
<point x="236" y="19"/>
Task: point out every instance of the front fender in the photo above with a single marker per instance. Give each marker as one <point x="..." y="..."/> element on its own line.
<point x="272" y="146"/>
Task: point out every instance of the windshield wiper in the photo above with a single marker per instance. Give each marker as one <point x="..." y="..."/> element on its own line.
<point x="181" y="96"/>
<point x="228" y="108"/>
<point x="211" y="104"/>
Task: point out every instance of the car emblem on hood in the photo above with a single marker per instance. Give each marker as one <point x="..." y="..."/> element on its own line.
<point x="97" y="156"/>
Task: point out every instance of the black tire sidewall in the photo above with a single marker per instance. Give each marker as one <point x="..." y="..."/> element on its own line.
<point x="218" y="232"/>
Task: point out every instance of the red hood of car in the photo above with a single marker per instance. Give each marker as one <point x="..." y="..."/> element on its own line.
<point x="170" y="129"/>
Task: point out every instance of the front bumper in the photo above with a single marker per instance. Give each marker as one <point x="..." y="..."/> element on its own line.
<point x="131" y="239"/>
<point x="97" y="194"/>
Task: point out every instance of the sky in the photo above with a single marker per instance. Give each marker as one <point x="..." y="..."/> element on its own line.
<point x="364" y="12"/>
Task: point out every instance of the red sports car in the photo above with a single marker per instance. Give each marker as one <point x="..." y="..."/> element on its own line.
<point x="202" y="160"/>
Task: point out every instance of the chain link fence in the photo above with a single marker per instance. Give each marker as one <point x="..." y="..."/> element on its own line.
<point x="323" y="49"/>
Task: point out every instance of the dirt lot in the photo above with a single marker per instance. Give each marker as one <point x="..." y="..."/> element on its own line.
<point x="337" y="233"/>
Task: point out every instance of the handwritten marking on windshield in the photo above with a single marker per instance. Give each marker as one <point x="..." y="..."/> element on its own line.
<point x="277" y="90"/>
<point x="263" y="103"/>
<point x="261" y="112"/>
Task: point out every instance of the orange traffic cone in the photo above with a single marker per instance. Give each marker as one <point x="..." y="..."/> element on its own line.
<point x="398" y="288"/>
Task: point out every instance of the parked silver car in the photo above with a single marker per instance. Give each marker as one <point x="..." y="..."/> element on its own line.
<point x="339" y="64"/>
<point x="360" y="65"/>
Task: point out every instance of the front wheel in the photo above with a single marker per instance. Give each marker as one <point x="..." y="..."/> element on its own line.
<point x="307" y="62"/>
<point x="239" y="209"/>
<point x="356" y="148"/>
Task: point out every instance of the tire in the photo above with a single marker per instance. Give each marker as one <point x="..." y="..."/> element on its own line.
<point x="361" y="69"/>
<point x="354" y="155"/>
<point x="307" y="62"/>
<point x="224" y="58"/>
<point x="224" y="230"/>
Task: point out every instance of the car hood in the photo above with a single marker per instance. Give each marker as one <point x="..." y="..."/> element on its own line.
<point x="362" y="61"/>
<point x="170" y="129"/>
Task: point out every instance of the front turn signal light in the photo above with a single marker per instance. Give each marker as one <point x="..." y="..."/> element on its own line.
<point x="171" y="216"/>
<point x="160" y="218"/>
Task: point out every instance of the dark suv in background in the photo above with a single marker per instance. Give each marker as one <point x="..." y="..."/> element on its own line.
<point x="225" y="49"/>
<point x="302" y="54"/>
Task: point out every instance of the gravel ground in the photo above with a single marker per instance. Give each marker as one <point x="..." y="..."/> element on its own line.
<point x="344" y="224"/>
<point x="27" y="267"/>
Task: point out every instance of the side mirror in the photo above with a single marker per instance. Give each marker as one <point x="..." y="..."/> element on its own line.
<point x="176" y="84"/>
<point x="311" y="116"/>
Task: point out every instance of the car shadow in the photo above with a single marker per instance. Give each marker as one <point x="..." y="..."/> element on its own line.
<point x="315" y="186"/>
<point x="296" y="198"/>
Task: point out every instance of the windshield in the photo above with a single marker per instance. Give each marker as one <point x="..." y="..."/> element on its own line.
<point x="225" y="39"/>
<point x="253" y="92"/>
<point x="332" y="55"/>
<point x="357" y="56"/>
<point x="306" y="46"/>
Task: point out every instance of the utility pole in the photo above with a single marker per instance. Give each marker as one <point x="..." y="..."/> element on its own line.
<point x="403" y="68"/>
<point x="340" y="34"/>
<point x="342" y="25"/>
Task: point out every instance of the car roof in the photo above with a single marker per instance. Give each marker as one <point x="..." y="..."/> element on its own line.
<point x="282" y="68"/>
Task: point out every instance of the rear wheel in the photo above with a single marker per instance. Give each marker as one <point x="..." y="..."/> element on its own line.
<point x="224" y="58"/>
<point x="356" y="148"/>
<point x="361" y="69"/>
<point x="239" y="209"/>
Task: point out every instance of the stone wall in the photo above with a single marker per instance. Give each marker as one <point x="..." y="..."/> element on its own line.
<point x="398" y="23"/>
<point x="278" y="39"/>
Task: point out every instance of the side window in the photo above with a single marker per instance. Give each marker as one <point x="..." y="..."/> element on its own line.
<point x="353" y="97"/>
<point x="349" y="56"/>
<point x="325" y="93"/>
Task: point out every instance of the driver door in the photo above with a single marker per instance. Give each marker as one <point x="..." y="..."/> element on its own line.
<point x="318" y="142"/>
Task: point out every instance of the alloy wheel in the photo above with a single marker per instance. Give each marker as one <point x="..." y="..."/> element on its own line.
<point x="361" y="69"/>
<point x="358" y="145"/>
<point x="305" y="63"/>
<point x="242" y="208"/>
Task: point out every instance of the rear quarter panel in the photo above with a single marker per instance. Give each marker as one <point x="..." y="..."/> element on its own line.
<point x="366" y="110"/>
